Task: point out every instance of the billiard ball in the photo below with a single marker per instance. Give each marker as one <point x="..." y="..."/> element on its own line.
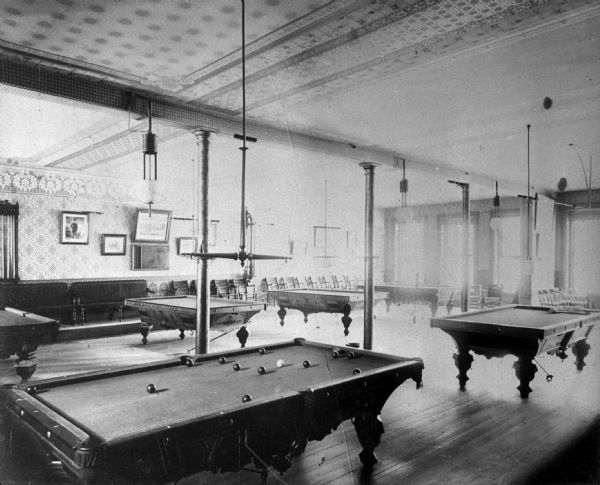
<point x="306" y="364"/>
<point x="356" y="371"/>
<point x="222" y="360"/>
<point x="261" y="351"/>
<point x="236" y="366"/>
<point x="261" y="370"/>
<point x="280" y="363"/>
<point x="351" y="355"/>
<point x="247" y="398"/>
<point x="150" y="388"/>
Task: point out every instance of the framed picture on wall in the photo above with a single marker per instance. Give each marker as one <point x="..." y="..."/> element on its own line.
<point x="152" y="227"/>
<point x="74" y="227"/>
<point x="185" y="245"/>
<point x="113" y="244"/>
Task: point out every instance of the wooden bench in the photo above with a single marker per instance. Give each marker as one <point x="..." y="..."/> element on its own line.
<point x="46" y="299"/>
<point x="102" y="300"/>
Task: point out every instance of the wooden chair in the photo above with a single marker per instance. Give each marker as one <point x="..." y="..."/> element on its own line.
<point x="309" y="282"/>
<point x="289" y="282"/>
<point x="297" y="282"/>
<point x="492" y="297"/>
<point x="231" y="286"/>
<point x="281" y="283"/>
<point x="181" y="287"/>
<point x="222" y="288"/>
<point x="475" y="296"/>
<point x="272" y="283"/>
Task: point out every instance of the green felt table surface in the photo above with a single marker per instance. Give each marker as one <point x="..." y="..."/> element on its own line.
<point x="117" y="406"/>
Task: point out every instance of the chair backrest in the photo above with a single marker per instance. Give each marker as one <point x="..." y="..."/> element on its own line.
<point x="181" y="287"/>
<point x="281" y="283"/>
<point x="289" y="282"/>
<point x="297" y="282"/>
<point x="222" y="288"/>
<point x="309" y="282"/>
<point x="272" y="283"/>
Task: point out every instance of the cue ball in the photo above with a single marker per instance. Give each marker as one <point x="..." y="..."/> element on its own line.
<point x="151" y="388"/>
<point x="280" y="363"/>
<point x="356" y="371"/>
<point x="351" y="355"/>
<point x="247" y="398"/>
<point x="306" y="364"/>
<point x="236" y="366"/>
<point x="222" y="360"/>
<point x="261" y="351"/>
<point x="261" y="370"/>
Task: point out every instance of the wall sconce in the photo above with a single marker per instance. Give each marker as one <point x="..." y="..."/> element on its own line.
<point x="149" y="148"/>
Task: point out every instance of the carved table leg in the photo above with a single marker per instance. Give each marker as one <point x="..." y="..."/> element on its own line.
<point x="462" y="360"/>
<point x="369" y="429"/>
<point x="281" y="312"/>
<point x="181" y="333"/>
<point x="26" y="363"/>
<point x="525" y="370"/>
<point x="305" y="317"/>
<point x="144" y="329"/>
<point x="581" y="349"/>
<point x="242" y="335"/>
<point x="346" y="320"/>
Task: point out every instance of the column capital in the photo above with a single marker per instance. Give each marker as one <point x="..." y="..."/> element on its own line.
<point x="201" y="134"/>
<point x="369" y="166"/>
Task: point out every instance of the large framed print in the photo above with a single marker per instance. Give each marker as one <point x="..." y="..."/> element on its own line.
<point x="185" y="245"/>
<point x="152" y="227"/>
<point x="74" y="227"/>
<point x="113" y="244"/>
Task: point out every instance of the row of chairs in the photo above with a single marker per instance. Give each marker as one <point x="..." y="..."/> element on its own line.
<point x="562" y="297"/>
<point x="235" y="288"/>
<point x="290" y="282"/>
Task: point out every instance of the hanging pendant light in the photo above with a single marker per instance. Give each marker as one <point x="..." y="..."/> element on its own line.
<point x="149" y="149"/>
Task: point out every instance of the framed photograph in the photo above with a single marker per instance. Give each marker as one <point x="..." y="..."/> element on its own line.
<point x="113" y="244"/>
<point x="185" y="245"/>
<point x="74" y="227"/>
<point x="152" y="227"/>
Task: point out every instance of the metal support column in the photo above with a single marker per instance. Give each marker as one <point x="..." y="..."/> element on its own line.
<point x="203" y="290"/>
<point x="369" y="168"/>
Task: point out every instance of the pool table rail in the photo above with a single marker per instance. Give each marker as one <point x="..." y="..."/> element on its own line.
<point x="276" y="426"/>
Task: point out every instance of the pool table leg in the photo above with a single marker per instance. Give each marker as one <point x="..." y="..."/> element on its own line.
<point x="581" y="349"/>
<point x="369" y="429"/>
<point x="281" y="312"/>
<point x="144" y="329"/>
<point x="462" y="360"/>
<point x="346" y="320"/>
<point x="525" y="370"/>
<point x="242" y="335"/>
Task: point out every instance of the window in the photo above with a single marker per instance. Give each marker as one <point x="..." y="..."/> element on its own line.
<point x="9" y="216"/>
<point x="451" y="273"/>
<point x="507" y="251"/>
<point x="409" y="261"/>
<point x="584" y="234"/>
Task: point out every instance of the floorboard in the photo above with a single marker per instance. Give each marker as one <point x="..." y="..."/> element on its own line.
<point x="434" y="435"/>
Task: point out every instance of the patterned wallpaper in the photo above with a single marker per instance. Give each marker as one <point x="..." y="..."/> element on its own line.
<point x="112" y="204"/>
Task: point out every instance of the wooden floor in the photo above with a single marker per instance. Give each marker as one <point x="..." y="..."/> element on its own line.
<point x="435" y="435"/>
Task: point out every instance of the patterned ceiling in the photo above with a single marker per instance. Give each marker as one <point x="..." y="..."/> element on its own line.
<point x="297" y="52"/>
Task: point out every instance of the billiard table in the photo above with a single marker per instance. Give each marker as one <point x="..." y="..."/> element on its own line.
<point x="309" y="300"/>
<point x="159" y="422"/>
<point x="179" y="312"/>
<point x="523" y="331"/>
<point x="432" y="294"/>
<point x="21" y="333"/>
